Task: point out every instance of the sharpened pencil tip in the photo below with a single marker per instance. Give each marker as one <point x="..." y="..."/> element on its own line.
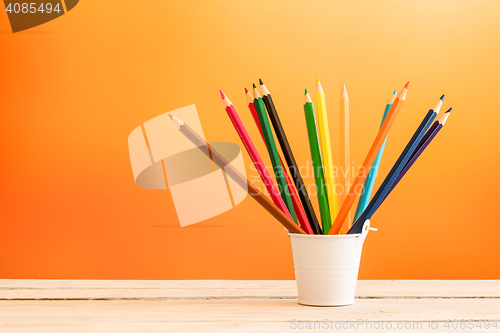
<point x="343" y="93"/>
<point x="395" y="93"/>
<point x="176" y="121"/>
<point x="306" y="92"/>
<point x="406" y="85"/>
<point x="317" y="79"/>
<point x="246" y="90"/>
<point x="442" y="97"/>
<point x="448" y="110"/>
<point x="254" y="85"/>
<point x="260" y="82"/>
<point x="222" y="94"/>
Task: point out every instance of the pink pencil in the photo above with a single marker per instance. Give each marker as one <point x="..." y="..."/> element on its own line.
<point x="254" y="155"/>
<point x="297" y="206"/>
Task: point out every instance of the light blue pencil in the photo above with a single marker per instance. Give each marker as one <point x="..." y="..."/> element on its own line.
<point x="372" y="175"/>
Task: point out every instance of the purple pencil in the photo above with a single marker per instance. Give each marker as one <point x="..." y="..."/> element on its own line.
<point x="428" y="133"/>
<point x="426" y="140"/>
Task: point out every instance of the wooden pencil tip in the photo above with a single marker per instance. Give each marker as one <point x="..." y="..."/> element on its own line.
<point x="307" y="98"/>
<point x="406" y="85"/>
<point x="442" y="97"/>
<point x="246" y="91"/>
<point x="343" y="94"/>
<point x="260" y="82"/>
<point x="306" y="92"/>
<point x="254" y="85"/>
<point x="319" y="88"/>
<point x="176" y="121"/>
<point x="395" y="92"/>
<point x="444" y="117"/>
<point x="393" y="97"/>
<point x="222" y="94"/>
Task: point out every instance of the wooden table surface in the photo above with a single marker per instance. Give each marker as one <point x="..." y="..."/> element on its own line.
<point x="241" y="306"/>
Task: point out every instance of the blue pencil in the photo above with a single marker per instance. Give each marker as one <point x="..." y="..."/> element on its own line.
<point x="397" y="168"/>
<point x="428" y="137"/>
<point x="372" y="175"/>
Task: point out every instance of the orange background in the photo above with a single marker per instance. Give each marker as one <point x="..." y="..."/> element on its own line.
<point x="73" y="89"/>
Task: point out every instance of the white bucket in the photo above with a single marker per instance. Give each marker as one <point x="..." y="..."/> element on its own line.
<point x="326" y="267"/>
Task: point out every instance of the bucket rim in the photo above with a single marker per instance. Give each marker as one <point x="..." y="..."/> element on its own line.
<point x="323" y="236"/>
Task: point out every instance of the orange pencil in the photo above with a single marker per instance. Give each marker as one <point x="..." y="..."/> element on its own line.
<point x="357" y="185"/>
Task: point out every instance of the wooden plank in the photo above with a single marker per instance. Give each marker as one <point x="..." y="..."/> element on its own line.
<point x="146" y="294"/>
<point x="143" y="284"/>
<point x="428" y="288"/>
<point x="46" y="313"/>
<point x="147" y="284"/>
<point x="240" y="327"/>
<point x="188" y="290"/>
<point x="234" y="306"/>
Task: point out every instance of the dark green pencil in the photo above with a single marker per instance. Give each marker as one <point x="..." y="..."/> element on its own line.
<point x="273" y="152"/>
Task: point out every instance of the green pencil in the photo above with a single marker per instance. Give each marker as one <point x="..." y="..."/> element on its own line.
<point x="273" y="152"/>
<point x="317" y="165"/>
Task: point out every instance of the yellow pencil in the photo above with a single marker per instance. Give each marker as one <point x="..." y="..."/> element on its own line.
<point x="345" y="150"/>
<point x="326" y="150"/>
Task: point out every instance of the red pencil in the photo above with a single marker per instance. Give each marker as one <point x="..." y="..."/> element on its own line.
<point x="370" y="157"/>
<point x="254" y="155"/>
<point x="297" y="206"/>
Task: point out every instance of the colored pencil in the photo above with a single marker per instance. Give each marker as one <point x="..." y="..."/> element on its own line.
<point x="254" y="154"/>
<point x="345" y="149"/>
<point x="426" y="140"/>
<point x="317" y="164"/>
<point x="326" y="151"/>
<point x="364" y="199"/>
<point x="301" y="215"/>
<point x="370" y="158"/>
<point x="290" y="159"/>
<point x="397" y="168"/>
<point x="429" y="131"/>
<point x="241" y="180"/>
<point x="273" y="151"/>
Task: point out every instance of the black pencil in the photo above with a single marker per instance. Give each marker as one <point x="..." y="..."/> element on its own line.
<point x="290" y="159"/>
